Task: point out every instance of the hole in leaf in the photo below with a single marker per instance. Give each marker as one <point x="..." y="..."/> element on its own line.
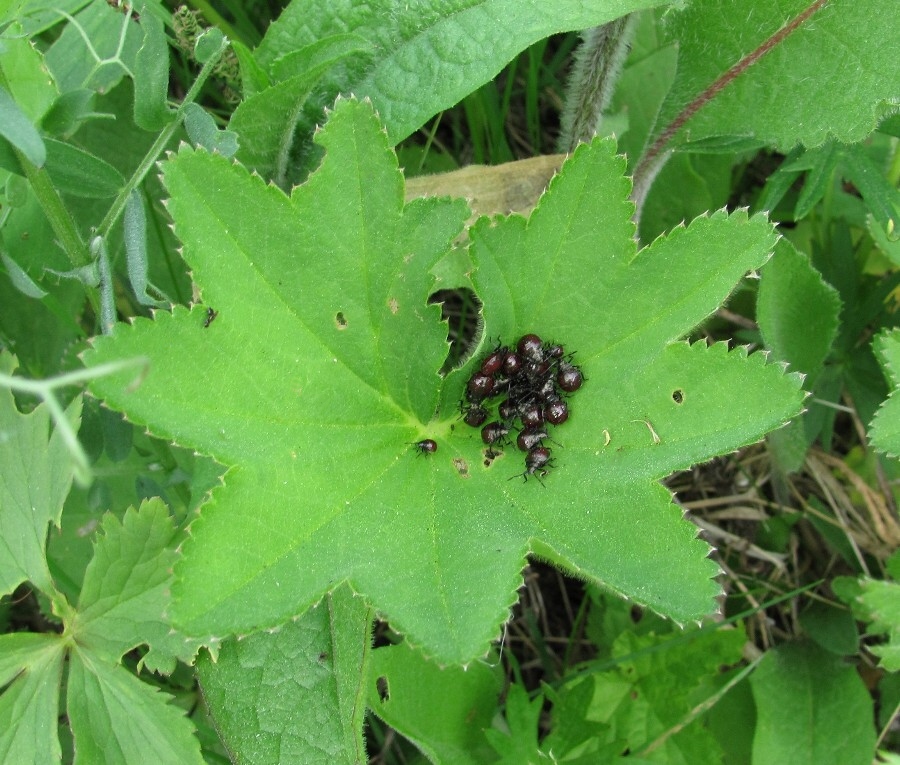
<point x="462" y="467"/>
<point x="381" y="685"/>
<point x="340" y="321"/>
<point x="678" y="396"/>
<point x="461" y="309"/>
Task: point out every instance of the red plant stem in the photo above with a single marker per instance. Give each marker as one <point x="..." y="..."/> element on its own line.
<point x="726" y="78"/>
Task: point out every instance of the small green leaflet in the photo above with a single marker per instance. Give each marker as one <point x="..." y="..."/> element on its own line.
<point x="885" y="429"/>
<point x="36" y="477"/>
<point x="321" y="370"/>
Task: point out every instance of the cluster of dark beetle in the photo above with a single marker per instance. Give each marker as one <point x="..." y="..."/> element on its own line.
<point x="530" y="384"/>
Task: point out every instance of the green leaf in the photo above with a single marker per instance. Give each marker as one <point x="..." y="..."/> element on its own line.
<point x="442" y="710"/>
<point x="878" y="603"/>
<point x="811" y="709"/>
<point x="432" y="53"/>
<point x="264" y="689"/>
<point x="645" y="79"/>
<point x="31" y="668"/>
<point x="95" y="50"/>
<point x="801" y="90"/>
<point x="79" y="173"/>
<point x="687" y="186"/>
<point x="266" y="122"/>
<point x="135" y="231"/>
<point x="16" y="128"/>
<point x="327" y="51"/>
<point x="821" y="163"/>
<point x="208" y="44"/>
<point x="881" y="198"/>
<point x="41" y="17"/>
<point x="36" y="476"/>
<point x="884" y="432"/>
<point x="203" y="131"/>
<point x="68" y="112"/>
<point x="253" y="77"/>
<point x="647" y="694"/>
<point x="20" y="278"/>
<point x="520" y="742"/>
<point x="151" y="77"/>
<point x="28" y="81"/>
<point x="798" y="315"/>
<point x="116" y="718"/>
<point x="832" y="627"/>
<point x="321" y="370"/>
<point x="126" y="590"/>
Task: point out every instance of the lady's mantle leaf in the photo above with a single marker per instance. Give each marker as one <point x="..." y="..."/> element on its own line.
<point x="320" y="368"/>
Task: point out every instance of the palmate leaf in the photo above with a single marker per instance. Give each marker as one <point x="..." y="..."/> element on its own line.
<point x="319" y="371"/>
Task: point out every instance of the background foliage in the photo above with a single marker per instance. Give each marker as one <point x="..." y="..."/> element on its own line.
<point x="207" y="224"/>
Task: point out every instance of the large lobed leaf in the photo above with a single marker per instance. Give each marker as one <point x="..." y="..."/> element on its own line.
<point x="320" y="369"/>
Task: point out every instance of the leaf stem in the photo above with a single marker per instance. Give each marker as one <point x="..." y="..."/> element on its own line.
<point x="44" y="389"/>
<point x="159" y="144"/>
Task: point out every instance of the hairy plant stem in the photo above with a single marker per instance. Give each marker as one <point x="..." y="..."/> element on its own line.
<point x="598" y="62"/>
<point x="652" y="162"/>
